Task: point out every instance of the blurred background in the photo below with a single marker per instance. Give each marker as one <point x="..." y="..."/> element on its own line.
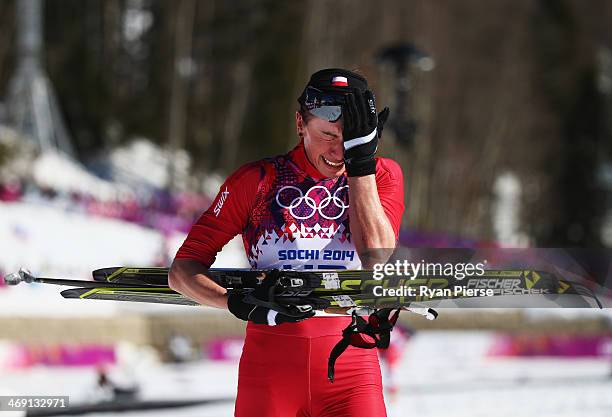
<point x="119" y="119"/>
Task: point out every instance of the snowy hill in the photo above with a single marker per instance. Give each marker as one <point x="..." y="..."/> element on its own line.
<point x="53" y="242"/>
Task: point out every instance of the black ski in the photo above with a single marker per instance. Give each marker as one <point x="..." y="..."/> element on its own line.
<point x="158" y="295"/>
<point x="165" y="295"/>
<point x="228" y="278"/>
<point x="133" y="275"/>
<point x="343" y="288"/>
<point x="348" y="288"/>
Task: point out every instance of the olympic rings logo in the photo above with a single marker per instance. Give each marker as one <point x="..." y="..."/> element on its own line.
<point x="310" y="202"/>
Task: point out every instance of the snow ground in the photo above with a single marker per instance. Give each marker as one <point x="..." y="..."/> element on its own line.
<point x="443" y="374"/>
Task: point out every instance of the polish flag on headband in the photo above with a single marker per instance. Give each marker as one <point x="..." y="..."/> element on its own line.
<point x="339" y="82"/>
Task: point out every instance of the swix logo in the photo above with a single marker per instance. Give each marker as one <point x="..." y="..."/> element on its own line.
<point x="222" y="199"/>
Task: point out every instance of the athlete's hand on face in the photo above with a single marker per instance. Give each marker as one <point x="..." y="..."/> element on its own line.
<point x="362" y="128"/>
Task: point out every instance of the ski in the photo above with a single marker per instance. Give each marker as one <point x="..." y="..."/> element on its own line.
<point x="132" y="275"/>
<point x="164" y="295"/>
<point x="228" y="278"/>
<point x="157" y="295"/>
<point x="341" y="288"/>
<point x="354" y="288"/>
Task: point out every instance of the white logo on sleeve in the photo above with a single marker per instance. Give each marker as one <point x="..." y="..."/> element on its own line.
<point x="222" y="199"/>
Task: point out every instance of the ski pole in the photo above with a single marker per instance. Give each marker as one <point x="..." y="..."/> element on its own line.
<point x="24" y="275"/>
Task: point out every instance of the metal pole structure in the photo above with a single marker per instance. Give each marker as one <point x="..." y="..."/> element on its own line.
<point x="32" y="105"/>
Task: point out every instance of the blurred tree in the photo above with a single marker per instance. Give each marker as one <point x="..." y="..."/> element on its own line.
<point x="570" y="214"/>
<point x="7" y="42"/>
<point x="181" y="73"/>
<point x="513" y="90"/>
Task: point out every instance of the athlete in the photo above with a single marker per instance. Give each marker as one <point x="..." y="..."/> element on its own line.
<point x="294" y="212"/>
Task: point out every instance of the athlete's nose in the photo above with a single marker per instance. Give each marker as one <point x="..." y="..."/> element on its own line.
<point x="337" y="150"/>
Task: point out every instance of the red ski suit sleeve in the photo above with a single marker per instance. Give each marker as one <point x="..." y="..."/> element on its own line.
<point x="390" y="185"/>
<point x="225" y="218"/>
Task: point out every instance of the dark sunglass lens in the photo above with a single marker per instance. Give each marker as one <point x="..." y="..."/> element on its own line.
<point x="329" y="113"/>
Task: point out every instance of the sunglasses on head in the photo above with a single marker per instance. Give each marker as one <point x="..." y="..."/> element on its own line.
<point x="323" y="105"/>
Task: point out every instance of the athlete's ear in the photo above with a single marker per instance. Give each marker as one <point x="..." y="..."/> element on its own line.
<point x="299" y="124"/>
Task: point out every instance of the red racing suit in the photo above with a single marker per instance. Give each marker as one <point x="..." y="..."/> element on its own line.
<point x="291" y="217"/>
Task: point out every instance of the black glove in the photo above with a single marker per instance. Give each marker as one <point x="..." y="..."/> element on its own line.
<point x="382" y="119"/>
<point x="263" y="315"/>
<point x="361" y="130"/>
<point x="262" y="306"/>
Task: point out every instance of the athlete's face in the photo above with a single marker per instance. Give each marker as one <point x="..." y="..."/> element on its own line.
<point x="323" y="144"/>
